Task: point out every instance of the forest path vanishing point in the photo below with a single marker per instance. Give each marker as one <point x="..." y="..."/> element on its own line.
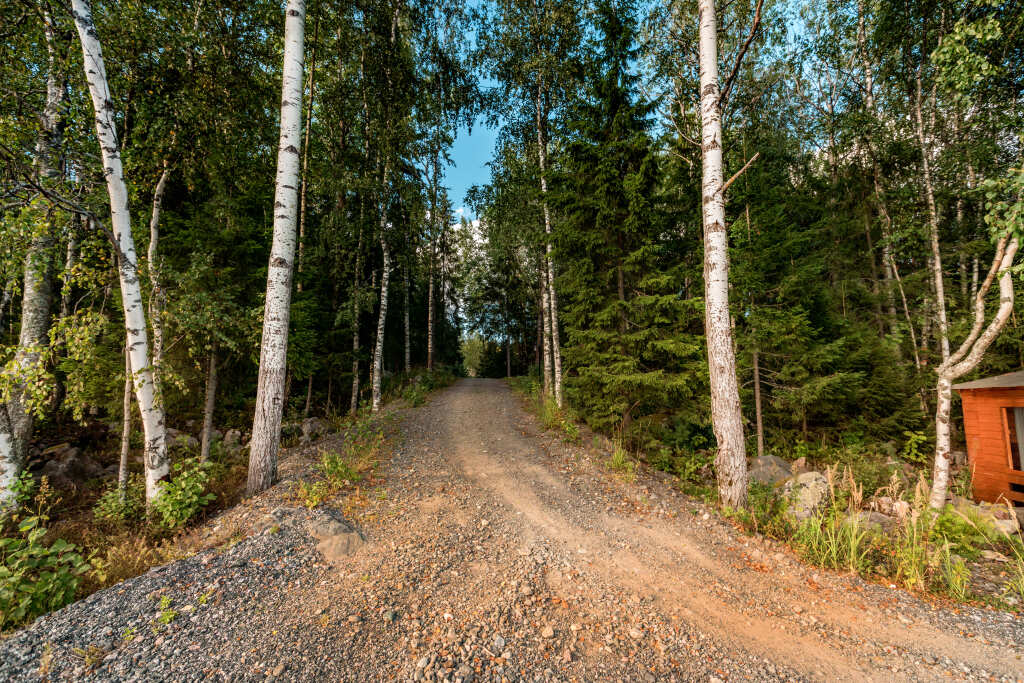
<point x="491" y="550"/>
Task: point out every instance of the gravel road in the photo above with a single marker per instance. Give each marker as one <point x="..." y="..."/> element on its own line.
<point x="489" y="550"/>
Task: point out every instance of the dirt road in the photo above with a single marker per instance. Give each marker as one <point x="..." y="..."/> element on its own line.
<point x="496" y="552"/>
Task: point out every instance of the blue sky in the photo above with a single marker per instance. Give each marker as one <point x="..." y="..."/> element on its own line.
<point x="470" y="155"/>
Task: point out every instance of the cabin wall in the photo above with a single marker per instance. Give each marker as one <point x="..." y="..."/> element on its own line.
<point x="988" y="442"/>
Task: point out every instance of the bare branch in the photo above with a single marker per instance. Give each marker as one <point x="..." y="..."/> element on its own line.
<point x="724" y="94"/>
<point x="738" y="173"/>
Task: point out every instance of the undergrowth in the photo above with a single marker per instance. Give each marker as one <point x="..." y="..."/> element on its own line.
<point x="926" y="551"/>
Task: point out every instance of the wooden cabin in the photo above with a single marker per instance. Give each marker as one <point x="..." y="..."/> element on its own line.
<point x="994" y="429"/>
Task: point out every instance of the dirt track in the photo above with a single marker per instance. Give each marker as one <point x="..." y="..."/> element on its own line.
<point x="495" y="551"/>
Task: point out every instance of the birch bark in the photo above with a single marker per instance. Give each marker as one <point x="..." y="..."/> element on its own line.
<point x="208" y="405"/>
<point x="159" y="298"/>
<point x="378" y="351"/>
<point x="552" y="297"/>
<point x="967" y="357"/>
<point x="545" y="306"/>
<point x="126" y="428"/>
<point x="16" y="419"/>
<point x="266" y="427"/>
<point x="731" y="460"/>
<point x="131" y="294"/>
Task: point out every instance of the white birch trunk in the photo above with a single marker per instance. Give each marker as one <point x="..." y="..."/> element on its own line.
<point x="305" y="155"/>
<point x="545" y="306"/>
<point x="552" y="298"/>
<point x="266" y="427"/>
<point x="731" y="460"/>
<point x="16" y="418"/>
<point x="933" y="225"/>
<point x="120" y="218"/>
<point x="757" y="404"/>
<point x="159" y="298"/>
<point x="208" y="405"/>
<point x="126" y="428"/>
<point x="967" y="357"/>
<point x="378" y="351"/>
<point x="430" y="313"/>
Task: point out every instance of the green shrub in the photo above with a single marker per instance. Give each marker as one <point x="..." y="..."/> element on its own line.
<point x="113" y="507"/>
<point x="184" y="495"/>
<point x="36" y="578"/>
<point x="337" y="471"/>
<point x="912" y="448"/>
<point x="621" y="462"/>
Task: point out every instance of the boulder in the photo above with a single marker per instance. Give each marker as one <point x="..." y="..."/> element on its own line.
<point x="799" y="466"/>
<point x="233" y="438"/>
<point x="313" y="428"/>
<point x="1003" y="517"/>
<point x="873" y="521"/>
<point x="769" y="470"/>
<point x="807" y="493"/>
<point x="68" y="468"/>
<point x="337" y="538"/>
<point x="180" y="441"/>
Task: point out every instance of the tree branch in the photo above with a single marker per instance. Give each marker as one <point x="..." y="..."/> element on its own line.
<point x="738" y="173"/>
<point x="724" y="94"/>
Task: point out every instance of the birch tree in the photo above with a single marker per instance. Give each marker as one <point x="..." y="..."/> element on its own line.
<point x="16" y="412"/>
<point x="731" y="459"/>
<point x="155" y="456"/>
<point x="266" y="427"/>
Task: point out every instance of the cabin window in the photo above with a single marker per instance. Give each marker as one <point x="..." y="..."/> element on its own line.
<point x="1015" y="429"/>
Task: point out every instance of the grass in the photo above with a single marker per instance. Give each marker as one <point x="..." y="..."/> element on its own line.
<point x="926" y="552"/>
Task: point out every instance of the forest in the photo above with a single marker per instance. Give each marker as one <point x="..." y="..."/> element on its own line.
<point x="712" y="232"/>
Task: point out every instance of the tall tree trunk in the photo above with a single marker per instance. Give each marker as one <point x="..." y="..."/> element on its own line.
<point x="309" y="397"/>
<point x="378" y="351"/>
<point x="508" y="355"/>
<point x="16" y="417"/>
<point x="120" y="218"/>
<point x="305" y="155"/>
<point x="266" y="427"/>
<point x="159" y="298"/>
<point x="545" y="303"/>
<point x="549" y="265"/>
<point x="967" y="357"/>
<point x="408" y="343"/>
<point x="126" y="428"/>
<point x="356" y="310"/>
<point x="430" y="312"/>
<point x="5" y="300"/>
<point x="757" y="403"/>
<point x="731" y="460"/>
<point x="208" y="405"/>
<point x="933" y="224"/>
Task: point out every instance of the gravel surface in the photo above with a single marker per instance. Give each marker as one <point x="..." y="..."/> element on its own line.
<point x="489" y="550"/>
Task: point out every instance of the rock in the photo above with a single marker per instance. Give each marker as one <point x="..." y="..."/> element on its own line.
<point x="68" y="468"/>
<point x="499" y="642"/>
<point x="337" y="538"/>
<point x="807" y="492"/>
<point x="883" y="504"/>
<point x="636" y="634"/>
<point x="799" y="466"/>
<point x="182" y="442"/>
<point x="994" y="556"/>
<point x="232" y="438"/>
<point x="1000" y="516"/>
<point x="770" y="470"/>
<point x="422" y="663"/>
<point x="547" y="632"/>
<point x="873" y="520"/>
<point x="900" y="509"/>
<point x="313" y="428"/>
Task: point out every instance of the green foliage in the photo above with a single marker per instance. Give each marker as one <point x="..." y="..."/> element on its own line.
<point x="912" y="448"/>
<point x="117" y="506"/>
<point x="36" y="576"/>
<point x="184" y="496"/>
<point x="621" y="462"/>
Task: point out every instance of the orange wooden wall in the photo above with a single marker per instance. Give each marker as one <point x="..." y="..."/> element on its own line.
<point x="988" y="441"/>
